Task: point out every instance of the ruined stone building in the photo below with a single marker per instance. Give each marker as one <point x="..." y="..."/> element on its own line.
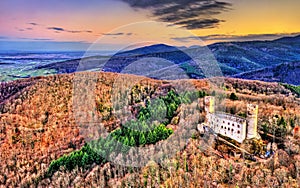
<point x="234" y="127"/>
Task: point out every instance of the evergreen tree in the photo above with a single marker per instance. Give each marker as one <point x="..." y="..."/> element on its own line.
<point x="85" y="160"/>
<point x="126" y="141"/>
<point x="142" y="139"/>
<point x="281" y="129"/>
<point x="233" y="97"/>
<point x="151" y="138"/>
<point x="125" y="146"/>
<point x="132" y="141"/>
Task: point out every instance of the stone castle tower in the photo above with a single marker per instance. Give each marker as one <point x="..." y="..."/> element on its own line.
<point x="209" y="107"/>
<point x="209" y="104"/>
<point x="252" y="113"/>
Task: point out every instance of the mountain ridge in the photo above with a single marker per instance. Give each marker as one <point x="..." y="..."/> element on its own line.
<point x="234" y="58"/>
<point x="283" y="73"/>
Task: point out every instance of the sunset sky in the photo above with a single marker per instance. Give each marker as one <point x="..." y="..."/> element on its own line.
<point x="75" y="24"/>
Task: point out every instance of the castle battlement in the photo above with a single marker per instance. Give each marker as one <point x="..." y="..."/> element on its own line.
<point x="230" y="116"/>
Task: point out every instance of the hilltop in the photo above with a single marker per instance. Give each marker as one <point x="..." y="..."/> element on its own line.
<point x="38" y="127"/>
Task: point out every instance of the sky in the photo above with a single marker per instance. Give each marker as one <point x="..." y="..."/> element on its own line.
<point x="30" y="25"/>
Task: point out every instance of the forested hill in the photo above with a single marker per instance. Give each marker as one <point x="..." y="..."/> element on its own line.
<point x="233" y="58"/>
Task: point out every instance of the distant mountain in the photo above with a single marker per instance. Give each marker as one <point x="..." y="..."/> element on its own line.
<point x="119" y="61"/>
<point x="295" y="39"/>
<point x="95" y="63"/>
<point x="285" y="73"/>
<point x="241" y="57"/>
<point x="233" y="57"/>
<point x="156" y="48"/>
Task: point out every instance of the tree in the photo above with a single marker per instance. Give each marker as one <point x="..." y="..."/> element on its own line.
<point x="142" y="139"/>
<point x="85" y="160"/>
<point x="201" y="94"/>
<point x="292" y="123"/>
<point x="132" y="142"/>
<point x="171" y="109"/>
<point x="151" y="138"/>
<point x="281" y="129"/>
<point x="233" y="97"/>
<point x="126" y="141"/>
<point x="233" y="110"/>
<point x="125" y="146"/>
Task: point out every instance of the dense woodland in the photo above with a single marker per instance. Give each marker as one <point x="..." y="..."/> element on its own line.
<point x="41" y="143"/>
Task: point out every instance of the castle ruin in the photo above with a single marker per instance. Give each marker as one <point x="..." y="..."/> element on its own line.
<point x="234" y="127"/>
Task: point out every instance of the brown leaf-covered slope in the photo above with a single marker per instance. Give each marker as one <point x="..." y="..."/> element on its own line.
<point x="37" y="126"/>
<point x="37" y="123"/>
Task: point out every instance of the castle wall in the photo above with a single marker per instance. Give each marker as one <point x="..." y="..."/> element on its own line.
<point x="227" y="125"/>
